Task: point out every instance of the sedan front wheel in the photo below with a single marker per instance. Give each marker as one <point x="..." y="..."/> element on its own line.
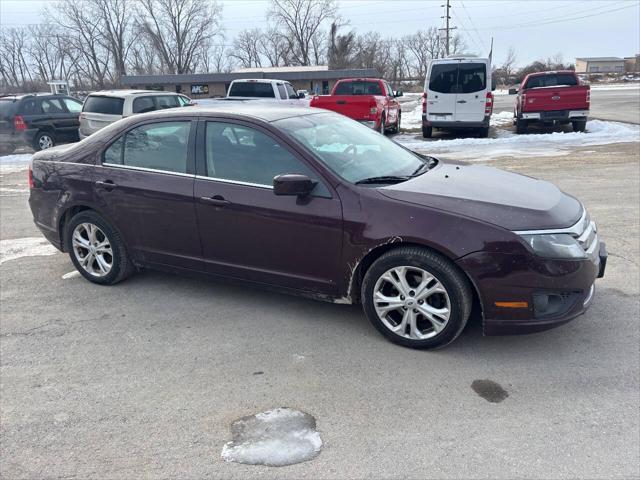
<point x="416" y="298"/>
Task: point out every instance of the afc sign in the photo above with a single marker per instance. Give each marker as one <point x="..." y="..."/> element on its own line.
<point x="199" y="89"/>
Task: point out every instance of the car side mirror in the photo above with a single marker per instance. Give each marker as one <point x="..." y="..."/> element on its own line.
<point x="293" y="184"/>
<point x="513" y="91"/>
<point x="398" y="93"/>
<point x="301" y="95"/>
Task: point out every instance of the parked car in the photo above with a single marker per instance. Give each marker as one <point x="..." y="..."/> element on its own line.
<point x="264" y="89"/>
<point x="310" y="202"/>
<point x="552" y="98"/>
<point x="457" y="94"/>
<point x="105" y="107"/>
<point x="370" y="101"/>
<point x="38" y="120"/>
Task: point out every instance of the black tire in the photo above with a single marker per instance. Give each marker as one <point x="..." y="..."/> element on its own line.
<point x="42" y="138"/>
<point x="452" y="279"/>
<point x="121" y="267"/>
<point x="396" y="127"/>
<point x="383" y="125"/>
<point x="579" y="125"/>
<point x="521" y="126"/>
<point x="427" y="132"/>
<point x="483" y="132"/>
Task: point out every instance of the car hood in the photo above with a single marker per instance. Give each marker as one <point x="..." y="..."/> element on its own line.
<point x="508" y="200"/>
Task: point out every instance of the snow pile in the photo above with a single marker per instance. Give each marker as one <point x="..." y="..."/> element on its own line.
<point x="509" y="144"/>
<point x="14" y="163"/>
<point x="616" y="86"/>
<point x="275" y="438"/>
<point x="24" y="247"/>
<point x="501" y="118"/>
<point x="412" y="116"/>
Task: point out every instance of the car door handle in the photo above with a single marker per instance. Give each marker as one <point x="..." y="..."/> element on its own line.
<point x="107" y="184"/>
<point x="215" y="200"/>
<point x="462" y="101"/>
<point x="341" y="102"/>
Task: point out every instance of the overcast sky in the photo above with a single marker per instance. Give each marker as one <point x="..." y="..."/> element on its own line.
<point x="536" y="29"/>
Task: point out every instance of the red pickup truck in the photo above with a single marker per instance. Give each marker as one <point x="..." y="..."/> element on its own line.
<point x="370" y="101"/>
<point x="552" y="98"/>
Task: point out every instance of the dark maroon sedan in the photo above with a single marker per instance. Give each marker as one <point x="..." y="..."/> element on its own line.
<point x="313" y="203"/>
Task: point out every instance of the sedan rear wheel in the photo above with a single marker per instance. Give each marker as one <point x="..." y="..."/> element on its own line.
<point x="416" y="298"/>
<point x="96" y="249"/>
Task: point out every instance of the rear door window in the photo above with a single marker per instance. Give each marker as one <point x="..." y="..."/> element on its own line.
<point x="472" y="77"/>
<point x="444" y="78"/>
<point x="281" y="91"/>
<point x="143" y="104"/>
<point x="252" y="89"/>
<point x="358" y="88"/>
<point x="157" y="146"/>
<point x="291" y="93"/>
<point x="105" y="105"/>
<point x="167" y="101"/>
<point x="52" y="106"/>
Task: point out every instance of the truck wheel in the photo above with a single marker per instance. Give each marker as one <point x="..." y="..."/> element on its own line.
<point x="43" y="141"/>
<point x="521" y="126"/>
<point x="483" y="132"/>
<point x="396" y="127"/>
<point x="427" y="132"/>
<point x="383" y="126"/>
<point x="579" y="125"/>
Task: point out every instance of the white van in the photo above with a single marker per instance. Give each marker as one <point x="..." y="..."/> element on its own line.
<point x="103" y="108"/>
<point x="457" y="94"/>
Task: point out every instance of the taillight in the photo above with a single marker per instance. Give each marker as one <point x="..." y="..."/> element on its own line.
<point x="488" y="106"/>
<point x="18" y="123"/>
<point x="424" y="102"/>
<point x="30" y="176"/>
<point x="589" y="96"/>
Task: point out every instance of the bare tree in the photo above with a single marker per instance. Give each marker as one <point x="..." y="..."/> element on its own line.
<point x="275" y="48"/>
<point x="341" y="51"/>
<point x="14" y="68"/>
<point x="300" y="22"/>
<point x="422" y="46"/>
<point x="117" y="30"/>
<point x="177" y="28"/>
<point x="246" y="48"/>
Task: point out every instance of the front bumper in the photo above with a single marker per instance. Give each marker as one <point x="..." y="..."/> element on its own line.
<point x="502" y="278"/>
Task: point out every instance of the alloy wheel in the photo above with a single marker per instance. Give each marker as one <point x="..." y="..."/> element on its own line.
<point x="92" y="249"/>
<point x="412" y="302"/>
<point x="45" y="141"/>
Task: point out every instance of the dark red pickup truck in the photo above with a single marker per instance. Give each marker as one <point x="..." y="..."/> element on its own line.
<point x="552" y="98"/>
<point x="367" y="100"/>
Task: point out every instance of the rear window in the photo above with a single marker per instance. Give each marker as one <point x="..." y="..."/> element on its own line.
<point x="358" y="88"/>
<point x="251" y="89"/>
<point x="552" y="80"/>
<point x="7" y="108"/>
<point x="106" y="105"/>
<point x="458" y="77"/>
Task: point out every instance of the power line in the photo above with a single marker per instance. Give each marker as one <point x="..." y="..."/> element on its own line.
<point x="474" y="26"/>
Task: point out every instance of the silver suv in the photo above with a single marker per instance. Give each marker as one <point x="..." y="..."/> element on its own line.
<point x="103" y="108"/>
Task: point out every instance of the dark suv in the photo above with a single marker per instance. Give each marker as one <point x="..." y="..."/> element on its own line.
<point x="38" y="120"/>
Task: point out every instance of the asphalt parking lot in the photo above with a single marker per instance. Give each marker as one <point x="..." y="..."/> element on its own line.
<point x="143" y="379"/>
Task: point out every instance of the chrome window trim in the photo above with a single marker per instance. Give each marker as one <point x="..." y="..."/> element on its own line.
<point x="234" y="182"/>
<point x="144" y="169"/>
<point x="575" y="230"/>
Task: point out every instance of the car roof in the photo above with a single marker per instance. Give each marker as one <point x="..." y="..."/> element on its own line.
<point x="128" y="93"/>
<point x="250" y="109"/>
<point x="19" y="96"/>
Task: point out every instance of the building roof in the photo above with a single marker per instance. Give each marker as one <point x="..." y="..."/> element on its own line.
<point x="600" y="59"/>
<point x="301" y="73"/>
<point x="315" y="68"/>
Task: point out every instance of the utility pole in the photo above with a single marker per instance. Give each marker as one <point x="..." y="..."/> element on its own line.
<point x="447" y="28"/>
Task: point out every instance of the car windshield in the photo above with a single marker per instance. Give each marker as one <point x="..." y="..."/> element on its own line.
<point x="105" y="105"/>
<point x="7" y="107"/>
<point x="354" y="152"/>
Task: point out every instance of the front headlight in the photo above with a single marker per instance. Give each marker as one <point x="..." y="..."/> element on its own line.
<point x="554" y="245"/>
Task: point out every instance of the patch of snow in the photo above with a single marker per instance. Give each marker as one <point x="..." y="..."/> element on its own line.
<point x="501" y="118"/>
<point x="14" y="163"/>
<point x="72" y="274"/>
<point x="12" y="192"/>
<point x="508" y="144"/>
<point x="25" y="247"/>
<point x="276" y="438"/>
<point x="616" y="86"/>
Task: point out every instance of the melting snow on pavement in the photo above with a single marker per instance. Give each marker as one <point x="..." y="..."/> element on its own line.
<point x="508" y="144"/>
<point x="25" y="247"/>
<point x="276" y="438"/>
<point x="14" y="163"/>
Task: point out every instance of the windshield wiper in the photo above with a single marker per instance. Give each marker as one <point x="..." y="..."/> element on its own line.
<point x="383" y="179"/>
<point x="418" y="171"/>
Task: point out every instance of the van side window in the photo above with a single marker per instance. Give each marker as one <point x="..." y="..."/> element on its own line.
<point x="143" y="104"/>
